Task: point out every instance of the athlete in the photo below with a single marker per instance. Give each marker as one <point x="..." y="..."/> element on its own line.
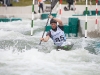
<point x="57" y="34"/>
<point x="40" y="3"/>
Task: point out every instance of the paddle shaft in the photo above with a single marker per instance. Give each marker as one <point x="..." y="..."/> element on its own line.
<point x="46" y="25"/>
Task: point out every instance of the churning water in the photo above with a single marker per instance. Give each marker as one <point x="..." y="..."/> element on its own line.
<point x="21" y="54"/>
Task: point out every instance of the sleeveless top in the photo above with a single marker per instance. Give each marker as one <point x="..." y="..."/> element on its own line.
<point x="58" y="36"/>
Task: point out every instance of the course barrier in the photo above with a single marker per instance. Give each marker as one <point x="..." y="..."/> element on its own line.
<point x="45" y="15"/>
<point x="9" y="19"/>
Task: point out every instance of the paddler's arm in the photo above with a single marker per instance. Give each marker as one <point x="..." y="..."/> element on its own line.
<point x="45" y="39"/>
<point x="58" y="20"/>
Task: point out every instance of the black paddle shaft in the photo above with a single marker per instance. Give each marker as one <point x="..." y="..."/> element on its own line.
<point x="44" y="29"/>
<point x="55" y="1"/>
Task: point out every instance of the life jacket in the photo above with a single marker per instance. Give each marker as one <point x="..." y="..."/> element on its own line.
<point x="58" y="36"/>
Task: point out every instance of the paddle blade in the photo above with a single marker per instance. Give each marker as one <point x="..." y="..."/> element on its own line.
<point x="53" y="3"/>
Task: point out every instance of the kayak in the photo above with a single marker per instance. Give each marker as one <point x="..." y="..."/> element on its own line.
<point x="66" y="47"/>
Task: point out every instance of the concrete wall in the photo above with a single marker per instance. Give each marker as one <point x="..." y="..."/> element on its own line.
<point x="25" y="12"/>
<point x="21" y="12"/>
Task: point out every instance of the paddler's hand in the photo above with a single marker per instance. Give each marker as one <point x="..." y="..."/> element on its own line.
<point x="50" y="16"/>
<point x="42" y="39"/>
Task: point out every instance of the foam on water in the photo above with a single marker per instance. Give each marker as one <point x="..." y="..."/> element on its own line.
<point x="76" y="62"/>
<point x="19" y="53"/>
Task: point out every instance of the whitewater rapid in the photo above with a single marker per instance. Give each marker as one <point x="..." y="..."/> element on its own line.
<point x="21" y="54"/>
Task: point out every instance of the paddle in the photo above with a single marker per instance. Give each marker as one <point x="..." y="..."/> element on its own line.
<point x="53" y="3"/>
<point x="46" y="25"/>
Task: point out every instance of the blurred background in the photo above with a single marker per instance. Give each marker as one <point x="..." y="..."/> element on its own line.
<point x="29" y="2"/>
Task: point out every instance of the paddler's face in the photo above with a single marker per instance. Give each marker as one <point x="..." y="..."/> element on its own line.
<point x="53" y="25"/>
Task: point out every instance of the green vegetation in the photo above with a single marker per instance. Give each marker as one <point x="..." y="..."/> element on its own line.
<point x="78" y="3"/>
<point x="22" y="3"/>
